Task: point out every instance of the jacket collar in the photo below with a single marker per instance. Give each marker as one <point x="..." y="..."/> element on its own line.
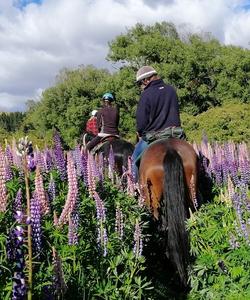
<point x="153" y="83"/>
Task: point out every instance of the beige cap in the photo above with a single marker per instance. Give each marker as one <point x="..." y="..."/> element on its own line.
<point x="145" y="72"/>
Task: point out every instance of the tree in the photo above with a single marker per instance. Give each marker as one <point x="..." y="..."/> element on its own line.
<point x="68" y="104"/>
<point x="205" y="73"/>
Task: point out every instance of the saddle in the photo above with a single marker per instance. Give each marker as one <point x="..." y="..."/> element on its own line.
<point x="104" y="140"/>
<point x="109" y="138"/>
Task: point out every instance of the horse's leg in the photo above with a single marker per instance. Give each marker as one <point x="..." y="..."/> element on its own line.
<point x="174" y="209"/>
<point x="190" y="169"/>
<point x="151" y="183"/>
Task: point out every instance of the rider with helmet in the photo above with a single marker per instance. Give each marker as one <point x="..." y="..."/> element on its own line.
<point x="107" y="120"/>
<point x="157" y="111"/>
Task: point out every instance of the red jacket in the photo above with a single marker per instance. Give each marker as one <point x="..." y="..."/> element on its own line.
<point x="91" y="126"/>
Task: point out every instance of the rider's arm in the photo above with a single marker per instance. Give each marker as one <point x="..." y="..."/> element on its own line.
<point x="142" y="114"/>
<point x="99" y="120"/>
<point x="118" y="117"/>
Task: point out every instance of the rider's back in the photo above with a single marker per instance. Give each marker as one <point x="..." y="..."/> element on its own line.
<point x="158" y="108"/>
<point x="108" y="120"/>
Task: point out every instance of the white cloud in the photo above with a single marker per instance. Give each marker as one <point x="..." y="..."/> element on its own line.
<point x="39" y="40"/>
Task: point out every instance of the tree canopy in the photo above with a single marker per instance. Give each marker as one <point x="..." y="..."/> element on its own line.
<point x="205" y="74"/>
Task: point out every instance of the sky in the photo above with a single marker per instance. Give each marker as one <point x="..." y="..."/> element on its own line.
<point x="39" y="38"/>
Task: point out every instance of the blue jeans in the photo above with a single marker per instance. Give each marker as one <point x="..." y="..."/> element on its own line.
<point x="139" y="148"/>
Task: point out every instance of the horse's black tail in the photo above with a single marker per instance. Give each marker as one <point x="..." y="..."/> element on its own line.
<point x="174" y="212"/>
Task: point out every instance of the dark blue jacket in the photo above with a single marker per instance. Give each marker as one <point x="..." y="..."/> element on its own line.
<point x="157" y="108"/>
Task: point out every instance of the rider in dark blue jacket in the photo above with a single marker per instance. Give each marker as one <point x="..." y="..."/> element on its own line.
<point x="157" y="109"/>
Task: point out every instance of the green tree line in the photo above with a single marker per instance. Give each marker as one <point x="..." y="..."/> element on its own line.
<point x="210" y="78"/>
<point x="11" y="121"/>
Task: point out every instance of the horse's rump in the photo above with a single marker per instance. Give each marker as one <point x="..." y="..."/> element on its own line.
<point x="151" y="171"/>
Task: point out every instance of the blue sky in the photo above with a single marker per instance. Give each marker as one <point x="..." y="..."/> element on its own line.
<point x="40" y="37"/>
<point x="23" y="3"/>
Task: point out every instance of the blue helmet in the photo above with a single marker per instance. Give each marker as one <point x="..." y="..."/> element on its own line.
<point x="108" y="96"/>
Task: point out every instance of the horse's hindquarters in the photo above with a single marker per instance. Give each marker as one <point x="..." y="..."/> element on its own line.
<point x="151" y="175"/>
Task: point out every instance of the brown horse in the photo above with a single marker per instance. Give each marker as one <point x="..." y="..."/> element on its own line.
<point x="168" y="181"/>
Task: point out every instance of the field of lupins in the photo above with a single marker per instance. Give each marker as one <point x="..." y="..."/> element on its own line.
<point x="71" y="229"/>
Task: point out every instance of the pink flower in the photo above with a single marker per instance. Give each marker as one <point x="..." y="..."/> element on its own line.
<point x="41" y="193"/>
<point x="3" y="190"/>
<point x="72" y="192"/>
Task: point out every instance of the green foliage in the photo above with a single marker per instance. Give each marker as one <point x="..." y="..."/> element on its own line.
<point x="143" y="44"/>
<point x="87" y="273"/>
<point x="11" y="121"/>
<point x="219" y="271"/>
<point x="228" y="122"/>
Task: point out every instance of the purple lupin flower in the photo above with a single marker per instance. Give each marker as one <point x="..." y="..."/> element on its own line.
<point x="59" y="156"/>
<point x="9" y="155"/>
<point x="15" y="250"/>
<point x="40" y="192"/>
<point x="91" y="174"/>
<point x="78" y="161"/>
<point x="119" y="224"/>
<point x="31" y="163"/>
<point x="19" y="286"/>
<point x="48" y="161"/>
<point x="100" y="208"/>
<point x="3" y="190"/>
<point x="137" y="240"/>
<point x="15" y="256"/>
<point x="244" y="163"/>
<point x="101" y="167"/>
<point x="233" y="242"/>
<point x="238" y="205"/>
<point x="216" y="162"/>
<point x="17" y="207"/>
<point x="85" y="168"/>
<point x="131" y="186"/>
<point x="192" y="190"/>
<point x="35" y="214"/>
<point x="231" y="161"/>
<point x="224" y="167"/>
<point x="59" y="285"/>
<point x="8" y="172"/>
<point x="111" y="164"/>
<point x="10" y="246"/>
<point x="102" y="238"/>
<point x="72" y="191"/>
<point x="52" y="189"/>
<point x="40" y="163"/>
<point x="73" y="228"/>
